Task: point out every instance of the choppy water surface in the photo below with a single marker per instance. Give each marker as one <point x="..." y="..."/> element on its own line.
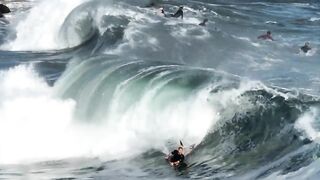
<point x="95" y="89"/>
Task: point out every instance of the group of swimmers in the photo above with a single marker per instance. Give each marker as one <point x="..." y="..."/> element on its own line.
<point x="266" y="36"/>
<point x="179" y="14"/>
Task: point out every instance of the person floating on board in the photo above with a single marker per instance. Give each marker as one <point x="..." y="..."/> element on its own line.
<point x="176" y="157"/>
<point x="179" y="13"/>
<point x="266" y="36"/>
<point x="203" y="23"/>
<point x="306" y="47"/>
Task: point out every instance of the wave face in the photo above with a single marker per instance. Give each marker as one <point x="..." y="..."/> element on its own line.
<point x="104" y="89"/>
<point x="127" y="29"/>
<point x="238" y="125"/>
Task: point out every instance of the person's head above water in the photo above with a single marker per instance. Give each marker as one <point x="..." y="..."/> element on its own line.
<point x="266" y="36"/>
<point x="181" y="7"/>
<point x="180" y="150"/>
<point x="306" y="47"/>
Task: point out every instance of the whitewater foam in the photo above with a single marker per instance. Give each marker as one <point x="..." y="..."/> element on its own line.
<point x="38" y="32"/>
<point x="36" y="125"/>
<point x="33" y="125"/>
<point x="307" y="122"/>
<point x="148" y="121"/>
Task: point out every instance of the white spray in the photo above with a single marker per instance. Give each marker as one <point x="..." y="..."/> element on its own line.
<point x="40" y="29"/>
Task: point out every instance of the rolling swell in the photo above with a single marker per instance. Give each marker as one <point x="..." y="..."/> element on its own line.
<point x="263" y="137"/>
<point x="147" y="96"/>
<point x="114" y="77"/>
<point x="80" y="25"/>
<point x="251" y="127"/>
<point x="72" y="26"/>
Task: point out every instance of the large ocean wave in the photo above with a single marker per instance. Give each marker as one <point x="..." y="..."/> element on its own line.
<point x="117" y="81"/>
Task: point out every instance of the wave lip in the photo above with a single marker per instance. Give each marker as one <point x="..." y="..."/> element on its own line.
<point x="38" y="32"/>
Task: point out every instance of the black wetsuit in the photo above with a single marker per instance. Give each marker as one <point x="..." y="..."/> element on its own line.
<point x="178" y="14"/>
<point x="175" y="157"/>
<point x="305" y="48"/>
<point x="202" y="24"/>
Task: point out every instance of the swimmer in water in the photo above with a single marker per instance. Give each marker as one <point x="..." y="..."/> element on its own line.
<point x="306" y="47"/>
<point x="266" y="36"/>
<point x="179" y="13"/>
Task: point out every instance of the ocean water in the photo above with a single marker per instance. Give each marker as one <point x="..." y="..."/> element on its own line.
<point x="104" y="89"/>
